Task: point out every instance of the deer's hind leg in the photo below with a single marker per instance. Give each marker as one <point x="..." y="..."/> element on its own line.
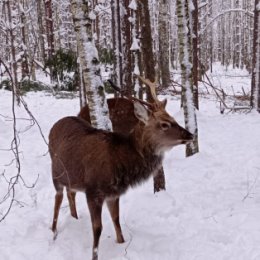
<point x="113" y="206"/>
<point x="57" y="204"/>
<point x="72" y="202"/>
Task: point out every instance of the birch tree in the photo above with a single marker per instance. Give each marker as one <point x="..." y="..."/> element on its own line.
<point x="88" y="58"/>
<point x="184" y="9"/>
<point x="135" y="48"/>
<point x="11" y="26"/>
<point x="255" y="85"/>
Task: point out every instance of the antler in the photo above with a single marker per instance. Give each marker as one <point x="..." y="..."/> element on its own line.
<point x="151" y="85"/>
<point x="116" y="88"/>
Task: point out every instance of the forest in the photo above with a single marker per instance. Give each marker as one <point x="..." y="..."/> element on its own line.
<point x="121" y="65"/>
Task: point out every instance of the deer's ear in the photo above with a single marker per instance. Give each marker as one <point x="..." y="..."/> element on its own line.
<point x="141" y="112"/>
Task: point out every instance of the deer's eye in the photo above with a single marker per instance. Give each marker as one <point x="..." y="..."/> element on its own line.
<point x="165" y="126"/>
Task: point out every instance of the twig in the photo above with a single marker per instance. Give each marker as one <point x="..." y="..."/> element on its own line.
<point x="13" y="181"/>
<point x="249" y="188"/>
<point x="130" y="241"/>
<point x="214" y="89"/>
<point x="34" y="119"/>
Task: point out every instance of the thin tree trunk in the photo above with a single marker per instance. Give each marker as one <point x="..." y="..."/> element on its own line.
<point x="114" y="40"/>
<point x="255" y="85"/>
<point x="13" y="53"/>
<point x="119" y="44"/>
<point x="163" y="28"/>
<point x="25" y="65"/>
<point x="149" y="69"/>
<point x="127" y="55"/>
<point x="41" y="31"/>
<point x="147" y="44"/>
<point x="195" y="68"/>
<point x="49" y="31"/>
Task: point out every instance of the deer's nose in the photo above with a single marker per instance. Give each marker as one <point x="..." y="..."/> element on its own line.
<point x="191" y="136"/>
<point x="187" y="135"/>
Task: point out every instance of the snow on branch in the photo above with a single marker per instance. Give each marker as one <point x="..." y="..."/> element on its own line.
<point x="251" y="14"/>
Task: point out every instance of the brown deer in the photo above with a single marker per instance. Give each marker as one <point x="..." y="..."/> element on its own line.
<point x="105" y="164"/>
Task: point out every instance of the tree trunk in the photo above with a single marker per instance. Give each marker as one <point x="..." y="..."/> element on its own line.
<point x="255" y="85"/>
<point x="127" y="55"/>
<point x="147" y="44"/>
<point x="163" y="28"/>
<point x="49" y="31"/>
<point x="149" y="69"/>
<point x="118" y="42"/>
<point x="24" y="47"/>
<point x="185" y="53"/>
<point x="114" y="41"/>
<point x="89" y="62"/>
<point x="195" y="68"/>
<point x="41" y="31"/>
<point x="13" y="53"/>
<point x="49" y="27"/>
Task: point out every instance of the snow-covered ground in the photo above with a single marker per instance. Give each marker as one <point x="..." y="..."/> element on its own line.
<point x="210" y="211"/>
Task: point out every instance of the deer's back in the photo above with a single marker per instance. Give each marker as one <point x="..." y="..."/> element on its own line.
<point x="86" y="158"/>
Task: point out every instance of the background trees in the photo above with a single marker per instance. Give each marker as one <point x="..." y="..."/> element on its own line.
<point x="164" y="40"/>
<point x="33" y="31"/>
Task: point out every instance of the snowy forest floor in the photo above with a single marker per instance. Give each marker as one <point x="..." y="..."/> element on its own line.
<point x="210" y="210"/>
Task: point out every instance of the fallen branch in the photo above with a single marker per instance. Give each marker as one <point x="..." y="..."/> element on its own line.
<point x="222" y="100"/>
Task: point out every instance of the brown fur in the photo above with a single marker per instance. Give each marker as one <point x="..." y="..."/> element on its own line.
<point x="84" y="113"/>
<point x="104" y="164"/>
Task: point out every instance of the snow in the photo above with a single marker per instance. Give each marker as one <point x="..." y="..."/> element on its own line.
<point x="210" y="210"/>
<point x="133" y="5"/>
<point x="92" y="15"/>
<point x="135" y="45"/>
<point x="231" y="80"/>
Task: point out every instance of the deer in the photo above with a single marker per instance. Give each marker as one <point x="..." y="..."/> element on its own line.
<point x="104" y="164"/>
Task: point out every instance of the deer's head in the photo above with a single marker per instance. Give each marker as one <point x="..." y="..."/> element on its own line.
<point x="159" y="129"/>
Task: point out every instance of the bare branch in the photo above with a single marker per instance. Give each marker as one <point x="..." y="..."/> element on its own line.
<point x="14" y="180"/>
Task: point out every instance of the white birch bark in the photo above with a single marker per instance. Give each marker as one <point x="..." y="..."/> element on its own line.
<point x="185" y="56"/>
<point x="89" y="62"/>
<point x="11" y="28"/>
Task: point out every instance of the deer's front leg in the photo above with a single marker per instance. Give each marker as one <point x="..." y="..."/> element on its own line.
<point x="95" y="209"/>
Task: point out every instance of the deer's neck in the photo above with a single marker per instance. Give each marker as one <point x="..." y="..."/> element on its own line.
<point x="141" y="163"/>
<point x="143" y="141"/>
<point x="136" y="170"/>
